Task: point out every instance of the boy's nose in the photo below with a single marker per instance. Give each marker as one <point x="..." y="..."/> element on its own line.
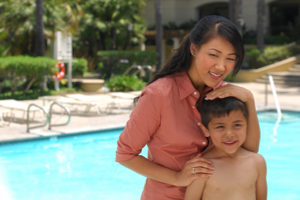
<point x="228" y="133"/>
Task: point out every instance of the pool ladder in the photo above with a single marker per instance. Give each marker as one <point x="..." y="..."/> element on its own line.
<point x="48" y="116"/>
<point x="279" y="114"/>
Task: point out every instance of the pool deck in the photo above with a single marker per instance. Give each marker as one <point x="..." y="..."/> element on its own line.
<point x="289" y="99"/>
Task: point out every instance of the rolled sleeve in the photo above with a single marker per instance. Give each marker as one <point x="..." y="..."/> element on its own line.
<point x="143" y="123"/>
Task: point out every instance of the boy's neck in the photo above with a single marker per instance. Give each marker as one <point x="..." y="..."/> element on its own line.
<point x="220" y="154"/>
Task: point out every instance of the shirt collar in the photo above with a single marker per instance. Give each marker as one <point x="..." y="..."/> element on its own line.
<point x="186" y="87"/>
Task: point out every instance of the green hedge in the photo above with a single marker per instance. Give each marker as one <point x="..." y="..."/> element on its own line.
<point x="117" y="62"/>
<point x="79" y="67"/>
<point x="24" y="71"/>
<point x="125" y="83"/>
<point x="255" y="59"/>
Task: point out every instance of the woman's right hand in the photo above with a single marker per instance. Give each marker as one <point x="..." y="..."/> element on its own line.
<point x="195" y="168"/>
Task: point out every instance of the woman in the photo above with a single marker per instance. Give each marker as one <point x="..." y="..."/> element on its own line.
<point x="166" y="120"/>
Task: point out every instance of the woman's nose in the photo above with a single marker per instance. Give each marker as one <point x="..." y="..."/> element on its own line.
<point x="220" y="65"/>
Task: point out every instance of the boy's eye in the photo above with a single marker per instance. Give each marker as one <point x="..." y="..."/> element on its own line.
<point x="219" y="127"/>
<point x="237" y="125"/>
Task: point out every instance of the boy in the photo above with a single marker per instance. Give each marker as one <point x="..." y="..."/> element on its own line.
<point x="239" y="174"/>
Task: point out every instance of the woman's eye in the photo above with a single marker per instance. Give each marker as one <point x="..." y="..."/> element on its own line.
<point x="219" y="127"/>
<point x="213" y="55"/>
<point x="231" y="59"/>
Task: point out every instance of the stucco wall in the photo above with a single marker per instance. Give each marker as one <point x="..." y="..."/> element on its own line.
<point x="180" y="11"/>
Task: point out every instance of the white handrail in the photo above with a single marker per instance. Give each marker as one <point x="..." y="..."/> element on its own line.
<point x="277" y="107"/>
<point x="67" y="110"/>
<point x="28" y="118"/>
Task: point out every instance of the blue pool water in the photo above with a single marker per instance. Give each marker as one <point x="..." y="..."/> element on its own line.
<point x="82" y="167"/>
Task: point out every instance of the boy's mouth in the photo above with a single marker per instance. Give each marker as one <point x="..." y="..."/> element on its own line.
<point x="230" y="143"/>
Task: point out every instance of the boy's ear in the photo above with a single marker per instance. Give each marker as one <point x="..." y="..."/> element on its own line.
<point x="205" y="130"/>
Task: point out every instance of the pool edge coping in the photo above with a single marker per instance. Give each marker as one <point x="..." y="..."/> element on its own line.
<point x="59" y="135"/>
<point x="91" y="131"/>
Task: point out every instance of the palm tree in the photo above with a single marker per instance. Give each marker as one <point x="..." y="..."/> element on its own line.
<point x="260" y="27"/>
<point x="235" y="12"/>
<point x="159" y="34"/>
<point x="39" y="29"/>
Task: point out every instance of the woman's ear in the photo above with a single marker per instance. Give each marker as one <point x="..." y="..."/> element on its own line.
<point x="193" y="49"/>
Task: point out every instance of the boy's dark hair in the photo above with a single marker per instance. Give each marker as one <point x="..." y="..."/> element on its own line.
<point x="220" y="107"/>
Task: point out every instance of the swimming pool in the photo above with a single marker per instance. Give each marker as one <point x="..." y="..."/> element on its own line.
<point x="83" y="167"/>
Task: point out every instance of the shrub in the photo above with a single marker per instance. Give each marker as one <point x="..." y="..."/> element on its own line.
<point x="230" y="77"/>
<point x="125" y="83"/>
<point x="295" y="50"/>
<point x="25" y="70"/>
<point x="251" y="56"/>
<point x="273" y="54"/>
<point x="117" y="62"/>
<point x="79" y="67"/>
<point x="255" y="59"/>
<point x="278" y="39"/>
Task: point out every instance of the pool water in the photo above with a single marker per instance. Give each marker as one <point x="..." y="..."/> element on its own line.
<point x="282" y="154"/>
<point x="83" y="167"/>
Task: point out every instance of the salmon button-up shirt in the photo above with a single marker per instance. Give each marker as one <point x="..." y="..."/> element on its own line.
<point x="167" y="121"/>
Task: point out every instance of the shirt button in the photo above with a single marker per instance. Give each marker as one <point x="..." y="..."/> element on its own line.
<point x="193" y="107"/>
<point x="204" y="143"/>
<point x="198" y="124"/>
<point x="195" y="93"/>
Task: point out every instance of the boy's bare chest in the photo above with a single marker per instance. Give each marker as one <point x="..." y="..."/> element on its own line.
<point x="233" y="180"/>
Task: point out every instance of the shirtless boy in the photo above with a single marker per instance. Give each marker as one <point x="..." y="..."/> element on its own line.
<point x="239" y="174"/>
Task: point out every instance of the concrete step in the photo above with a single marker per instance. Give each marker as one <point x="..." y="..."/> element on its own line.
<point x="282" y="78"/>
<point x="295" y="68"/>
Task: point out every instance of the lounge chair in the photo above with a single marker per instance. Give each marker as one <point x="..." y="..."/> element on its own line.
<point x="77" y="106"/>
<point x="14" y="108"/>
<point x="124" y="100"/>
<point x="3" y="116"/>
<point x="112" y="102"/>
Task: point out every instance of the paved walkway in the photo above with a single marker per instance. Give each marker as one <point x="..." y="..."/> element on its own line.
<point x="289" y="99"/>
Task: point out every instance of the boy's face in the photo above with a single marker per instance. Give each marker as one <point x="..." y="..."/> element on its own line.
<point x="228" y="132"/>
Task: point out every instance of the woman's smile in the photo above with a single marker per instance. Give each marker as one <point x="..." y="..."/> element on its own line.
<point x="215" y="76"/>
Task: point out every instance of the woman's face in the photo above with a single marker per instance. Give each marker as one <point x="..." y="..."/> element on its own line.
<point x="212" y="62"/>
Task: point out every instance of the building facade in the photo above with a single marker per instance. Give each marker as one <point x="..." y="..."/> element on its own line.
<point x="281" y="15"/>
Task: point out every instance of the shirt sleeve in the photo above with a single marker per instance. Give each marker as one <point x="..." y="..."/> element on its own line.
<point x="142" y="125"/>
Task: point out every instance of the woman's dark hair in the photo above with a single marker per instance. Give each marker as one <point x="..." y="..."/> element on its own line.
<point x="205" y="29"/>
<point x="219" y="107"/>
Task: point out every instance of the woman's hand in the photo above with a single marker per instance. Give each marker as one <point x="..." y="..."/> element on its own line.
<point x="197" y="167"/>
<point x="230" y="90"/>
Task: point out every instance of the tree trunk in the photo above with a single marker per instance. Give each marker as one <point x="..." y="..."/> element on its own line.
<point x="39" y="29"/>
<point x="235" y="13"/>
<point x="260" y="24"/>
<point x="159" y="34"/>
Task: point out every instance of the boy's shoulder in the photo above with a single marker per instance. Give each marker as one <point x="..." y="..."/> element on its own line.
<point x="255" y="157"/>
<point x="243" y="154"/>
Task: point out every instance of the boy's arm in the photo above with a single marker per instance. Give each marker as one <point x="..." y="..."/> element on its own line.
<point x="261" y="182"/>
<point x="195" y="190"/>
